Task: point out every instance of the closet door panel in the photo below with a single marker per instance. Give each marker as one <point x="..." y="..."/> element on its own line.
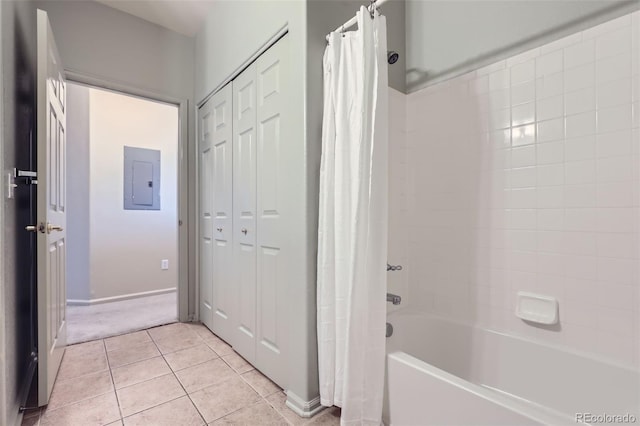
<point x="205" y="214"/>
<point x="222" y="148"/>
<point x="244" y="190"/>
<point x="272" y="272"/>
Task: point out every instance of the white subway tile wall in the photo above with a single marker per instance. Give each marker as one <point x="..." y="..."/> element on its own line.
<point x="525" y="175"/>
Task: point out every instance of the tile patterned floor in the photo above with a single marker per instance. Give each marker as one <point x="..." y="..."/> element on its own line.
<point x="175" y="375"/>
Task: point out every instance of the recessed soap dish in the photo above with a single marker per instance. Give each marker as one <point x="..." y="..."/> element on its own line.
<point x="537" y="308"/>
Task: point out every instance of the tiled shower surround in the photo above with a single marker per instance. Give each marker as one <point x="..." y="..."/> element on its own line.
<point x="525" y="176"/>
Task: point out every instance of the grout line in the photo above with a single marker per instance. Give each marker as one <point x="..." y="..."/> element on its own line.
<point x="145" y="380"/>
<point x="176" y="378"/>
<point x="196" y="364"/>
<point x="278" y="411"/>
<point x="151" y="408"/>
<point x="188" y="395"/>
<point x="113" y="383"/>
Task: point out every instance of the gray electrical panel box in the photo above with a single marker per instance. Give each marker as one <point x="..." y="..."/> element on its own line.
<point x="141" y="179"/>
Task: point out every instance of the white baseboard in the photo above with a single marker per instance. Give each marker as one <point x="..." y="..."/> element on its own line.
<point x="81" y="302"/>
<point x="301" y="407"/>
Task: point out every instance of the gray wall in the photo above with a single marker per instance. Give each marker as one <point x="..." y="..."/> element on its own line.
<point x="98" y="41"/>
<point x="324" y="16"/>
<point x="78" y="192"/>
<point x="3" y="382"/>
<point x="235" y="30"/>
<point x="18" y="77"/>
<point x="101" y="41"/>
<point x="449" y="38"/>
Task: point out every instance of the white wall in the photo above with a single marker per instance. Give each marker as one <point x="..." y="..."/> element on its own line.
<point x="78" y="248"/>
<point x="101" y="41"/>
<point x="235" y="30"/>
<point x="525" y="175"/>
<point x="398" y="281"/>
<point x="126" y="246"/>
<point x="98" y="41"/>
<point x="449" y="38"/>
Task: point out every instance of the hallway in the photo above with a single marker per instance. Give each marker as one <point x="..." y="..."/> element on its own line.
<point x="86" y="323"/>
<point x="178" y="374"/>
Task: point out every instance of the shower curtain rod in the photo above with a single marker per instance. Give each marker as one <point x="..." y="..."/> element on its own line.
<point x="372" y="5"/>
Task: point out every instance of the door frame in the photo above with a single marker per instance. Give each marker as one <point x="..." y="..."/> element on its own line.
<point x="184" y="211"/>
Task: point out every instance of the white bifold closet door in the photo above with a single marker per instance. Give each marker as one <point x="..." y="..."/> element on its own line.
<point x="205" y="214"/>
<point x="245" y="170"/>
<point x="217" y="295"/>
<point x="273" y="202"/>
<point x="244" y="210"/>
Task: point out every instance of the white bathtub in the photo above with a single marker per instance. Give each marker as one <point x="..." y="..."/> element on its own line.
<point x="443" y="373"/>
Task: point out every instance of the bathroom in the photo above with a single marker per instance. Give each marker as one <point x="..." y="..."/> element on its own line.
<point x="501" y="218"/>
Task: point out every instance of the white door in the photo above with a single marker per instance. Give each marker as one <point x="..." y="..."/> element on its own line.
<point x="205" y="155"/>
<point x="223" y="285"/>
<point x="51" y="246"/>
<point x="216" y="248"/>
<point x="244" y="210"/>
<point x="272" y="300"/>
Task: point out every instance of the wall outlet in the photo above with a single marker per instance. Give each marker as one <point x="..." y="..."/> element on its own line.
<point x="164" y="264"/>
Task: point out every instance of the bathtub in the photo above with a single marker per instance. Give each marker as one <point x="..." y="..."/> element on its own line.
<point x="444" y="373"/>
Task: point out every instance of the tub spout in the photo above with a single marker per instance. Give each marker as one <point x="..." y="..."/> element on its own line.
<point x="394" y="298"/>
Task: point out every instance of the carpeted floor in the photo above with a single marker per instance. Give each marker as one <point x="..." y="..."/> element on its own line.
<point x="85" y="323"/>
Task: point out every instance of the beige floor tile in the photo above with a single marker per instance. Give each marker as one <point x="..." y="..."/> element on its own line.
<point x="100" y="410"/>
<point x="140" y="371"/>
<point x="278" y="401"/>
<point x="132" y="354"/>
<point x="67" y="392"/>
<point x="202" y="375"/>
<point x="239" y="364"/>
<point x="223" y="398"/>
<point x="329" y="417"/>
<point x="198" y="328"/>
<point x="166" y="331"/>
<point x="177" y="412"/>
<point x="97" y="346"/>
<point x="260" y="413"/>
<point x="79" y="364"/>
<point x="178" y="342"/>
<point x="126" y="340"/>
<point x="260" y="383"/>
<point x="218" y="345"/>
<point x="145" y="395"/>
<point x="118" y="423"/>
<point x="189" y="357"/>
<point x="30" y="421"/>
<point x="31" y="412"/>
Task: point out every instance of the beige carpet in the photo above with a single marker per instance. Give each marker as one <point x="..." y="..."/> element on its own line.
<point x="85" y="323"/>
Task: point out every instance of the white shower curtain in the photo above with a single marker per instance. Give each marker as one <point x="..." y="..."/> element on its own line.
<point x="352" y="234"/>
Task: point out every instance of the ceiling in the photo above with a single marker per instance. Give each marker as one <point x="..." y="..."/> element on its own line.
<point x="182" y="16"/>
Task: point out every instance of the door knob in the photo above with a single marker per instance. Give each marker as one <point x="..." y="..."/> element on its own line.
<point x="244" y="231"/>
<point x="51" y="227"/>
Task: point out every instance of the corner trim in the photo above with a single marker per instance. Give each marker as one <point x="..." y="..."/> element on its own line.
<point x="82" y="302"/>
<point x="303" y="408"/>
